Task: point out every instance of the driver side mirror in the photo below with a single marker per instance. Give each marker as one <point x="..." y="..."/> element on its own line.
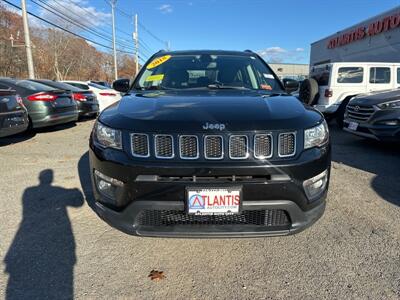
<point x="290" y="85"/>
<point x="121" y="85"/>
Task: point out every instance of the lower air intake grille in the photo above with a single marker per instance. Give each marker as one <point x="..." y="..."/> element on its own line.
<point x="213" y="147"/>
<point x="262" y="146"/>
<point x="272" y="217"/>
<point x="287" y="144"/>
<point x="140" y="145"/>
<point x="164" y="145"/>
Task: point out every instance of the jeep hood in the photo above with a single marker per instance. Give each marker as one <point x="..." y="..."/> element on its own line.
<point x="188" y="111"/>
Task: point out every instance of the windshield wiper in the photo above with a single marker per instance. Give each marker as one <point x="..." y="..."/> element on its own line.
<point x="274" y="94"/>
<point x="153" y="88"/>
<point x="226" y="87"/>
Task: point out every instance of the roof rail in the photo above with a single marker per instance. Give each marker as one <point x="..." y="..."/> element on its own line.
<point x="247" y="50"/>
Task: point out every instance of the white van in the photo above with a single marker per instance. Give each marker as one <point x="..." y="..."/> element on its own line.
<point x="332" y="85"/>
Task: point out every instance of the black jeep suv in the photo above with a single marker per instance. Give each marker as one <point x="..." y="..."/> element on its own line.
<point x="209" y="144"/>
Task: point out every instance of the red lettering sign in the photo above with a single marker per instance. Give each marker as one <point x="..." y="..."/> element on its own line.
<point x="374" y="28"/>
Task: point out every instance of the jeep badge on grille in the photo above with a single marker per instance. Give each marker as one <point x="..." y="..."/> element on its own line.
<point x="217" y="126"/>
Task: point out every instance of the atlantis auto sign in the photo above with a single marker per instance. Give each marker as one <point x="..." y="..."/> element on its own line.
<point x="374" y="28"/>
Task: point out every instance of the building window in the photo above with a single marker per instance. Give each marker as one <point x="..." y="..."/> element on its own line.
<point x="350" y="75"/>
<point x="379" y="75"/>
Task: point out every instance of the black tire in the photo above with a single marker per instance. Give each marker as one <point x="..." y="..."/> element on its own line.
<point x="339" y="114"/>
<point x="308" y="92"/>
<point x="329" y="118"/>
<point x="30" y="125"/>
<point x="340" y="117"/>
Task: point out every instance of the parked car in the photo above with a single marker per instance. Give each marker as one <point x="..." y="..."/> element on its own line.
<point x="86" y="100"/>
<point x="375" y="115"/>
<point x="13" y="114"/>
<point x="103" y="83"/>
<point x="332" y="85"/>
<point x="105" y="96"/>
<point x="209" y="143"/>
<point x="46" y="106"/>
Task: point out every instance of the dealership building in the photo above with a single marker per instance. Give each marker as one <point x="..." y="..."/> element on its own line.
<point x="294" y="71"/>
<point x="376" y="39"/>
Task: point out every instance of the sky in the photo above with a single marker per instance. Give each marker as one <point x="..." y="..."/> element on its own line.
<point x="281" y="31"/>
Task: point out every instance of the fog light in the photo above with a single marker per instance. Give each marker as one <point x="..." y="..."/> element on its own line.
<point x="106" y="185"/>
<point x="316" y="185"/>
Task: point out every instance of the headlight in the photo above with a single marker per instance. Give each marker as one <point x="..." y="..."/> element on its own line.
<point x="390" y="104"/>
<point x="316" y="136"/>
<point x="108" y="137"/>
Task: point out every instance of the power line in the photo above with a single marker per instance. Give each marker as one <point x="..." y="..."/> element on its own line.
<point x="119" y="10"/>
<point x="90" y="13"/>
<point x="72" y="20"/>
<point x="148" y="52"/>
<point x="152" y="34"/>
<point x="66" y="30"/>
<point x="129" y="16"/>
<point x="145" y="46"/>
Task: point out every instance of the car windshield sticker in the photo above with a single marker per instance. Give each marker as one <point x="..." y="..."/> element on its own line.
<point x="158" y="61"/>
<point x="269" y="76"/>
<point x="266" y="87"/>
<point x="157" y="77"/>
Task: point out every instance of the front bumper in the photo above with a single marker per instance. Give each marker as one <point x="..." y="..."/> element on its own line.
<point x="264" y="192"/>
<point x="375" y="128"/>
<point x="127" y="220"/>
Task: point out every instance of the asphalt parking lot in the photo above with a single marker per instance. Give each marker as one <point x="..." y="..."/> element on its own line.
<point x="53" y="245"/>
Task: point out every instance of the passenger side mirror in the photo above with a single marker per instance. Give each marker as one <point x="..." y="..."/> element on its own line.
<point x="121" y="85"/>
<point x="290" y="85"/>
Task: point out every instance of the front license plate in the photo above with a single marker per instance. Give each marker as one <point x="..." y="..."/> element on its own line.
<point x="353" y="126"/>
<point x="214" y="201"/>
<point x="95" y="107"/>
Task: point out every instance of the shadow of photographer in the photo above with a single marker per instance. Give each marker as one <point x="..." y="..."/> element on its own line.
<point x="41" y="258"/>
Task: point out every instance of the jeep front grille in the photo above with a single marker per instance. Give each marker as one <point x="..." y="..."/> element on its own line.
<point x="262" y="146"/>
<point x="359" y="113"/>
<point x="189" y="146"/>
<point x="287" y="144"/>
<point x="238" y="147"/>
<point x="213" y="147"/>
<point x="164" y="146"/>
<point x="140" y="145"/>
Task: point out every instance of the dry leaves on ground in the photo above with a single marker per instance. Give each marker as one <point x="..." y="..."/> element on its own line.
<point x="156" y="275"/>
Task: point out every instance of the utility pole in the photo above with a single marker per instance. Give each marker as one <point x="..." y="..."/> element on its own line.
<point x="113" y="3"/>
<point x="168" y="46"/>
<point x="28" y="46"/>
<point x="136" y="39"/>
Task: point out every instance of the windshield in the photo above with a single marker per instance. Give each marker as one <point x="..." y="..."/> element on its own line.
<point x="61" y="86"/>
<point x="209" y="72"/>
<point x="98" y="86"/>
<point x="34" y="86"/>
